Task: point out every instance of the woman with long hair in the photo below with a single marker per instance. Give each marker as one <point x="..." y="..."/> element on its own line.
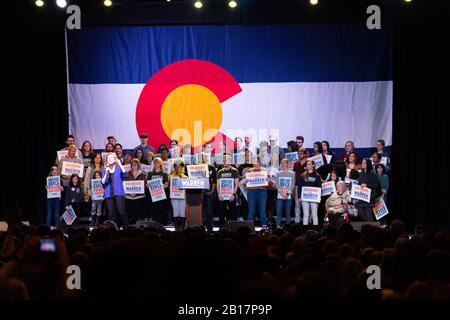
<point x="178" y="205"/>
<point x="135" y="203"/>
<point x="352" y="162"/>
<point x="87" y="153"/>
<point x="309" y="178"/>
<point x="368" y="179"/>
<point x="159" y="209"/>
<point x="329" y="156"/>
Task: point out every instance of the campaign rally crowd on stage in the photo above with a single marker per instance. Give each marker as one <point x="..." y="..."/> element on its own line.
<point x="266" y="183"/>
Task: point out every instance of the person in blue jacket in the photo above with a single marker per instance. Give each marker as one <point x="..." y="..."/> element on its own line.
<point x="112" y="178"/>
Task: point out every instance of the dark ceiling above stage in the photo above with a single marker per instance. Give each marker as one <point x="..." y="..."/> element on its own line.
<point x="217" y="11"/>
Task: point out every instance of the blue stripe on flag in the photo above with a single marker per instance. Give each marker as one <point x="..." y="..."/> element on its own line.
<point x="264" y="53"/>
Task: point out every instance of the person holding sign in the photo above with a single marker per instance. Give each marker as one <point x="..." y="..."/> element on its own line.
<point x="74" y="194"/>
<point x="329" y="156"/>
<point x="159" y="209"/>
<point x="285" y="184"/>
<point x="208" y="194"/>
<point x="112" y="178"/>
<point x="227" y="208"/>
<point x="376" y="160"/>
<point x="135" y="203"/>
<point x="70" y="158"/>
<point x="310" y="178"/>
<point x="97" y="165"/>
<point x="178" y="202"/>
<point x="96" y="208"/>
<point x="380" y="145"/>
<point x="299" y="168"/>
<point x="352" y="162"/>
<point x="54" y="203"/>
<point x="257" y="195"/>
<point x="337" y="203"/>
<point x="70" y="140"/>
<point x="368" y="179"/>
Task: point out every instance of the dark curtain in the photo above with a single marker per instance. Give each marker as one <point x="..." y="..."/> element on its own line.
<point x="34" y="119"/>
<point x="34" y="115"/>
<point x="421" y="123"/>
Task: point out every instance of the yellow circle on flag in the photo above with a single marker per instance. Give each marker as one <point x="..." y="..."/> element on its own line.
<point x="193" y="112"/>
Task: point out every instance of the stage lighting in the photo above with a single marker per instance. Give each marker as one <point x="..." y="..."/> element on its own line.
<point x="407" y="1"/>
<point x="39" y="3"/>
<point x="314" y="2"/>
<point x="107" y="3"/>
<point x="198" y="4"/>
<point x="61" y="3"/>
<point x="232" y="4"/>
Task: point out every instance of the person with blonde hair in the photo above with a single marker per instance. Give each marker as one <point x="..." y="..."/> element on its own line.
<point x="159" y="209"/>
<point x="178" y="205"/>
<point x="336" y="204"/>
<point x="53" y="204"/>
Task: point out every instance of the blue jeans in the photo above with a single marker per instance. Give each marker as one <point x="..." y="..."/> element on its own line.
<point x="257" y="200"/>
<point x="286" y="205"/>
<point x="53" y="206"/>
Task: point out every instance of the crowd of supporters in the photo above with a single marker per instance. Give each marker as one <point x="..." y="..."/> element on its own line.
<point x="306" y="168"/>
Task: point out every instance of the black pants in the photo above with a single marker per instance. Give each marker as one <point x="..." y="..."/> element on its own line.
<point x="227" y="211"/>
<point x="159" y="211"/>
<point x="116" y="207"/>
<point x="365" y="213"/>
<point x="135" y="209"/>
<point x="208" y="211"/>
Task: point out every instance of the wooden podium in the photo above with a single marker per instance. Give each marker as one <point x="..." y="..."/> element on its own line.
<point x="194" y="208"/>
<point x="194" y="199"/>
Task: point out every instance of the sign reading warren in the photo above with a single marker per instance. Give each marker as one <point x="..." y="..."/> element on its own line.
<point x="318" y="160"/>
<point x="360" y="193"/>
<point x="328" y="188"/>
<point x="256" y="179"/>
<point x="193" y="183"/>
<point x="198" y="171"/>
<point x="311" y="194"/>
<point x="135" y="186"/>
<point x="70" y="168"/>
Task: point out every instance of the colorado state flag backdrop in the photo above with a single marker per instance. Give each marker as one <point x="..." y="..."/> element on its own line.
<point x="194" y="83"/>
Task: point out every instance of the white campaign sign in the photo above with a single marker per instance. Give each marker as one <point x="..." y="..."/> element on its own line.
<point x="311" y="194"/>
<point x="69" y="168"/>
<point x="328" y="188"/>
<point x="134" y="186"/>
<point x="360" y="193"/>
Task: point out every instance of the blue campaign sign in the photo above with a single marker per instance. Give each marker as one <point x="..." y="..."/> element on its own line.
<point x="193" y="183"/>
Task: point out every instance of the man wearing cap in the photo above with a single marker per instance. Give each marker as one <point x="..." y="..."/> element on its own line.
<point x="144" y="139"/>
